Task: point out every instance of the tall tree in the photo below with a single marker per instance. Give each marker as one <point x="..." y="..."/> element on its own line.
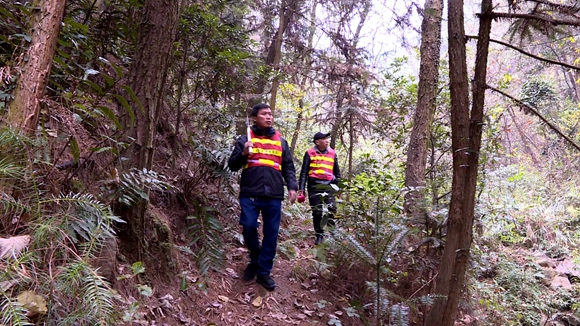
<point x="148" y="76"/>
<point x="288" y="11"/>
<point x="31" y="86"/>
<point x="466" y="143"/>
<point x="306" y="54"/>
<point x="277" y="48"/>
<point x="426" y="104"/>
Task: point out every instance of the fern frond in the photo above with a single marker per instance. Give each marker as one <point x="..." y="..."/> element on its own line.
<point x="396" y="241"/>
<point x="134" y="185"/>
<point x="12" y="139"/>
<point x="84" y="219"/>
<point x="205" y="234"/>
<point x="399" y="315"/>
<point x="350" y="244"/>
<point x="13" y="313"/>
<point x="11" y="206"/>
<point x="9" y="170"/>
<point x="94" y="297"/>
<point x="381" y="302"/>
<point x="427" y="300"/>
<point x="97" y="299"/>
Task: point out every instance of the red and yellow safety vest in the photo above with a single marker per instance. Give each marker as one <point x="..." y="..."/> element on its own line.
<point x="321" y="165"/>
<point x="266" y="151"/>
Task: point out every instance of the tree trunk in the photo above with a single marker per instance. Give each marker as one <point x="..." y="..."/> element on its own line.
<point x="466" y="143"/>
<point x="426" y="105"/>
<point x="278" y="52"/>
<point x="286" y="12"/>
<point x="31" y="86"/>
<point x="338" y="118"/>
<point x="350" y="143"/>
<point x="147" y="78"/>
<point x="298" y="125"/>
<point x="306" y="60"/>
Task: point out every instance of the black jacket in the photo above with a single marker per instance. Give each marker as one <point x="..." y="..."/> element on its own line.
<point x="263" y="181"/>
<point x="313" y="182"/>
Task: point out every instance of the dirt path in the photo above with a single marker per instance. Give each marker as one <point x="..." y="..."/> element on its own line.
<point x="304" y="293"/>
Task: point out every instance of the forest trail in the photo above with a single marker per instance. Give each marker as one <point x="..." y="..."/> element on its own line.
<point x="306" y="293"/>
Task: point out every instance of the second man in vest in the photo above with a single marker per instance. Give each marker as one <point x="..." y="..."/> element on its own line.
<point x="320" y="169"/>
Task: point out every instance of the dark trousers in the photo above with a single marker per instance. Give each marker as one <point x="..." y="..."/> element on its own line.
<point x="323" y="209"/>
<point x="261" y="256"/>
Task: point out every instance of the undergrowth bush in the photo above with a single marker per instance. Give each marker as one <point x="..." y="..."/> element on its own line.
<point x="522" y="215"/>
<point x="371" y="237"/>
<point x="66" y="232"/>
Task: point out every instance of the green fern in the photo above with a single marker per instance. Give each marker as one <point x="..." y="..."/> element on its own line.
<point x="94" y="298"/>
<point x="354" y="247"/>
<point x="134" y="185"/>
<point x="205" y="233"/>
<point x="11" y="206"/>
<point x="399" y="315"/>
<point x="9" y="170"/>
<point x="84" y="220"/>
<point x="98" y="299"/>
<point x="13" y="313"/>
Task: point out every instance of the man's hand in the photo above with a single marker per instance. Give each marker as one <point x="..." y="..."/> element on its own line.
<point x="247" y="147"/>
<point x="292" y="196"/>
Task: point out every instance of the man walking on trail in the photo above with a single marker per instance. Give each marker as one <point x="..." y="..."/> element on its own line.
<point x="267" y="162"/>
<point x="320" y="166"/>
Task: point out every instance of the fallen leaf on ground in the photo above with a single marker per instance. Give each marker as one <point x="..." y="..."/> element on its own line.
<point x="257" y="301"/>
<point x="13" y="245"/>
<point x="298" y="303"/>
<point x="232" y="273"/>
<point x="33" y="302"/>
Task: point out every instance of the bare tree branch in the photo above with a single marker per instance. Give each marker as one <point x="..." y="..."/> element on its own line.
<point x="535" y="112"/>
<point x="529" y="54"/>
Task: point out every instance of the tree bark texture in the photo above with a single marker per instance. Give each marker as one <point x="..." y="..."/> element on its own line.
<point x="306" y="58"/>
<point x="466" y="143"/>
<point x="426" y="105"/>
<point x="284" y="19"/>
<point x="147" y="77"/>
<point x="288" y="9"/>
<point x="24" y="111"/>
<point x="148" y="72"/>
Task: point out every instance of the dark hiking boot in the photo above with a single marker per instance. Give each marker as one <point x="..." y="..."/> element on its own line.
<point x="249" y="273"/>
<point x="266" y="281"/>
<point x="318" y="239"/>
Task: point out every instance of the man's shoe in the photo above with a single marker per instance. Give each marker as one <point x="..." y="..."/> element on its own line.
<point x="266" y="281"/>
<point x="249" y="273"/>
<point x="318" y="240"/>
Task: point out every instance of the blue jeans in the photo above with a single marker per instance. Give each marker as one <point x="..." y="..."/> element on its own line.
<point x="262" y="257"/>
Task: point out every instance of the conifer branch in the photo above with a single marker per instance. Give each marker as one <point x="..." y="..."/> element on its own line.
<point x="542" y="17"/>
<point x="529" y="109"/>
<point x="558" y="6"/>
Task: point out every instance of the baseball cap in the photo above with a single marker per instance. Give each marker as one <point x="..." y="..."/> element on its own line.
<point x="320" y="135"/>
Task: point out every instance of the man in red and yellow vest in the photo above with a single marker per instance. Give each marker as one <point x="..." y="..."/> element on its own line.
<point x="266" y="163"/>
<point x="320" y="169"/>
